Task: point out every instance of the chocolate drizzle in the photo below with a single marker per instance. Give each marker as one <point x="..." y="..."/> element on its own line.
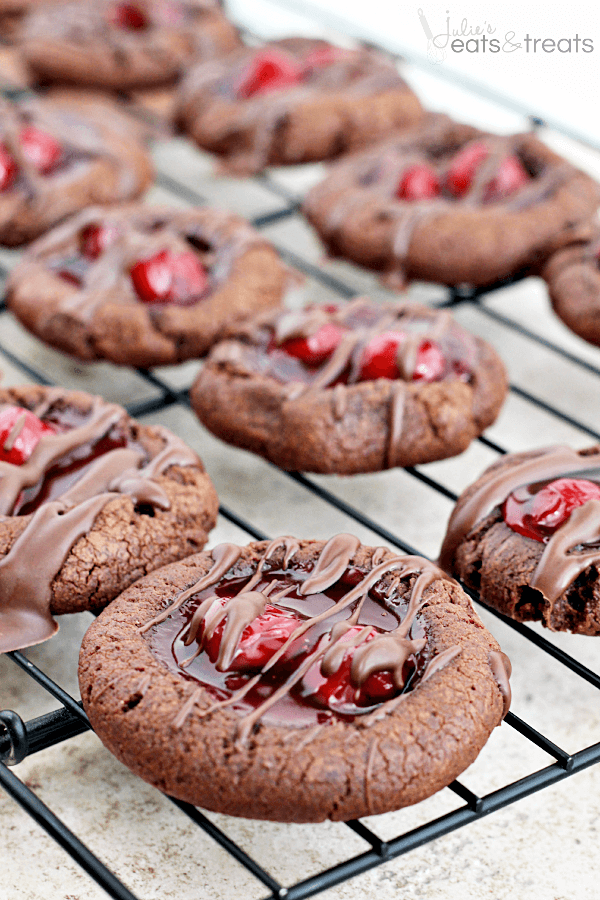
<point x="37" y="555"/>
<point x="571" y="549"/>
<point x="332" y="633"/>
<point x="361" y="320"/>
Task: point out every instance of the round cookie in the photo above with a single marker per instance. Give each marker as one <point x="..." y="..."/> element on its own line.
<point x="350" y="389"/>
<point x="295" y="680"/>
<point x="144" y="286"/>
<point x="446" y="202"/>
<point x="90" y="501"/>
<point x="526" y="536"/>
<point x="118" y="45"/>
<point x="293" y="101"/>
<point x="573" y="278"/>
<point x="57" y="157"/>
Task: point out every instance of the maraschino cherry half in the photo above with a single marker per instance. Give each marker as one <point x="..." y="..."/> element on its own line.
<point x="379" y="359"/>
<point x="420" y="181"/>
<point x="169" y="277"/>
<point x="537" y="515"/>
<point x="273" y="70"/>
<point x="41" y="150"/>
<point x="20" y="433"/>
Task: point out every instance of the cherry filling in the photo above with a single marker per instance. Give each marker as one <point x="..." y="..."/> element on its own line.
<point x="127" y="16"/>
<point x="336" y="691"/>
<point x="273" y="70"/>
<point x="379" y="359"/>
<point x="260" y="640"/>
<point x="41" y="149"/>
<point x="316" y="348"/>
<point x="95" y="239"/>
<point x="419" y="182"/>
<point x="167" y="277"/>
<point x="268" y="71"/>
<point x="20" y="433"/>
<point x="537" y="514"/>
<point x="509" y="178"/>
<point x="314" y="697"/>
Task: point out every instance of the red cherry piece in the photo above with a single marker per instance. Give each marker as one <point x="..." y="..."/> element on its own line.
<point x="20" y="432"/>
<point x="41" y="149"/>
<point x="419" y="182"/>
<point x="511" y="177"/>
<point x="316" y="348"/>
<point x="463" y="167"/>
<point x="430" y="365"/>
<point x="539" y="515"/>
<point x="94" y="240"/>
<point x="169" y="277"/>
<point x="336" y="691"/>
<point x="379" y="357"/>
<point x="260" y="640"/>
<point x="128" y="16"/>
<point x="8" y="169"/>
<point x="268" y="71"/>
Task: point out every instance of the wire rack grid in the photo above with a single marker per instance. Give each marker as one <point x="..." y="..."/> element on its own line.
<point x="553" y="395"/>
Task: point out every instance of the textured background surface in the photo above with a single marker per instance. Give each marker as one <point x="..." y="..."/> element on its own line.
<point x="543" y="847"/>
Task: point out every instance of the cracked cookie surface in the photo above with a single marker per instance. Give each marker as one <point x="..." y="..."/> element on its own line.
<point x="90" y="501"/>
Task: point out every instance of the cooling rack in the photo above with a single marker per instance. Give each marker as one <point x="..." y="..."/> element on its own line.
<point x="553" y="394"/>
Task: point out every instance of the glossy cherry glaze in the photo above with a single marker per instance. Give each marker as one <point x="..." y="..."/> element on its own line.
<point x="315" y="698"/>
<point x="167" y="277"/>
<point x="537" y="511"/>
<point x="298" y="358"/>
<point x="65" y="472"/>
<point x="20" y="433"/>
<point x="419" y="182"/>
<point x="128" y="16"/>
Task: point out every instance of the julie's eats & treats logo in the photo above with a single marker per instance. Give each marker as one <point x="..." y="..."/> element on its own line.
<point x="465" y="36"/>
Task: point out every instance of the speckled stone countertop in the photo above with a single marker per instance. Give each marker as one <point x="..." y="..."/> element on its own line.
<point x="543" y="846"/>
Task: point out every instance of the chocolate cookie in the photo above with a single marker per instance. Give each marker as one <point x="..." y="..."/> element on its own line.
<point x="89" y="502"/>
<point x="119" y="45"/>
<point x="350" y="389"/>
<point x="293" y="101"/>
<point x="573" y="278"/>
<point x="295" y="680"/>
<point x="57" y="157"/>
<point x="143" y="285"/>
<point x="449" y="203"/>
<point x="526" y="536"/>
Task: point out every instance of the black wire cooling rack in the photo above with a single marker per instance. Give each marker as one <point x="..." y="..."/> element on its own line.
<point x="19" y="738"/>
